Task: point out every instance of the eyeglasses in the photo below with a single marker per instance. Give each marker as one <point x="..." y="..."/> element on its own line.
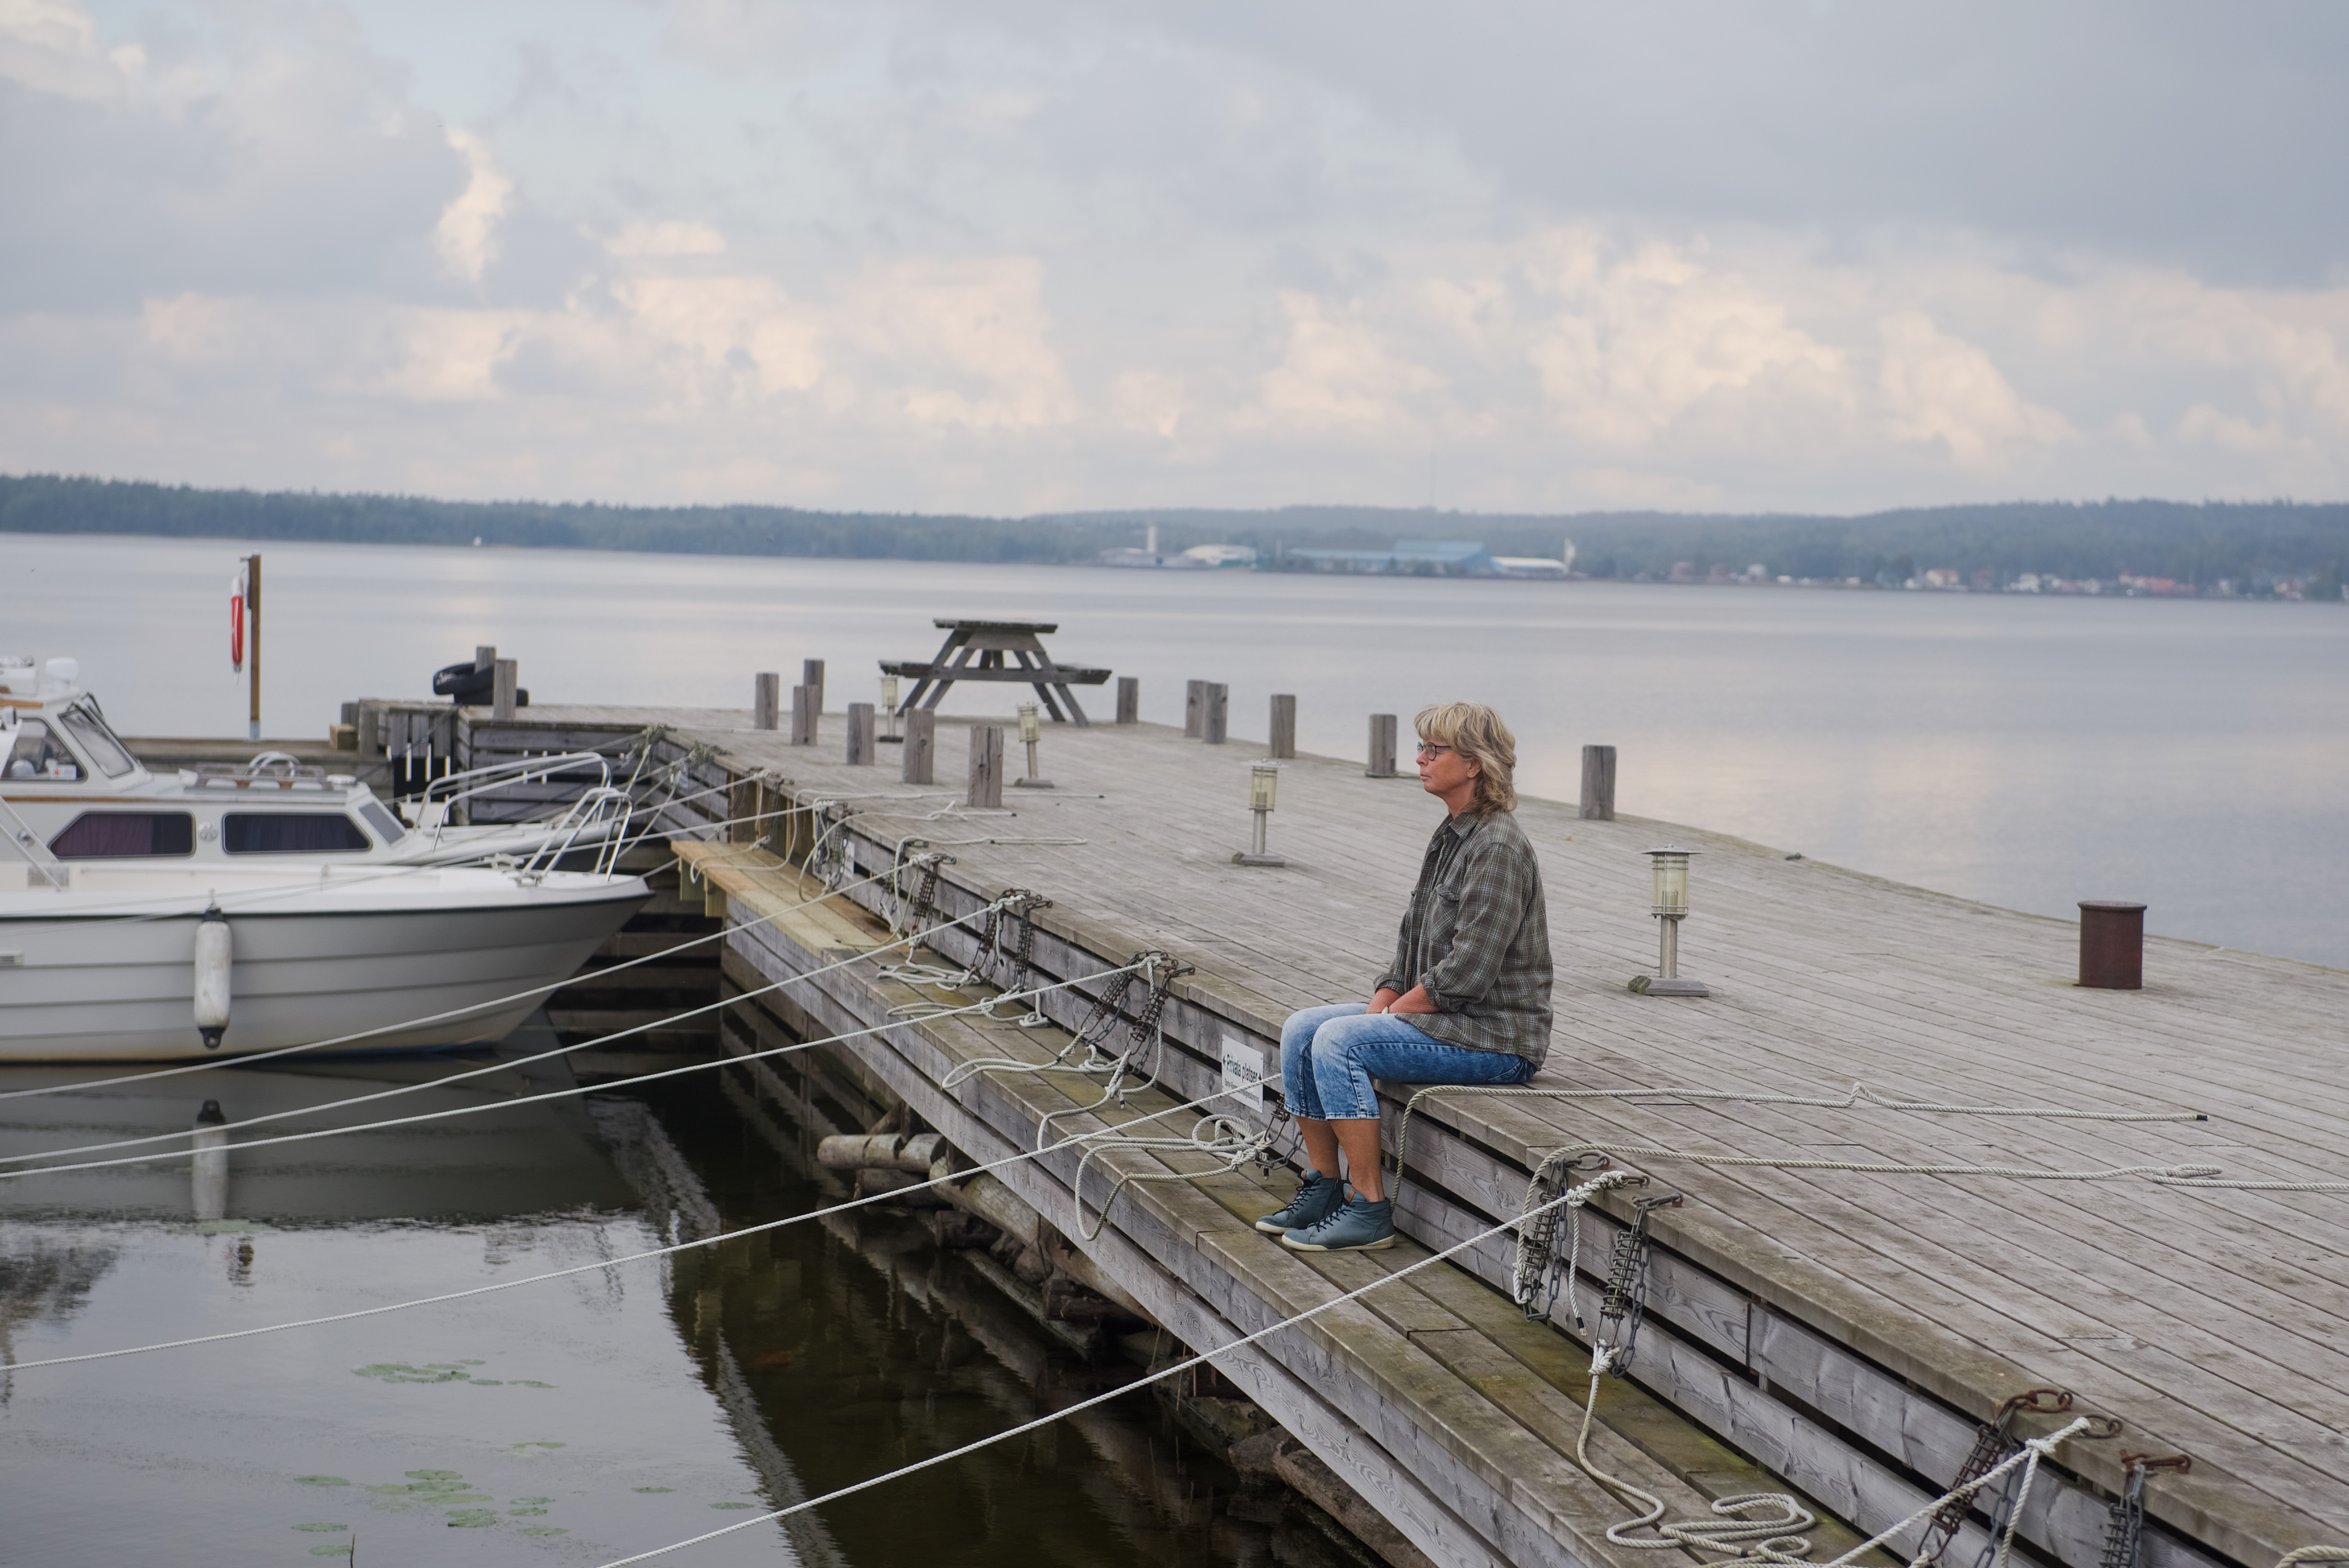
<point x="1432" y="748"/>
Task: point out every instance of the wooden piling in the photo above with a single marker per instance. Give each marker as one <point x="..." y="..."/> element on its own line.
<point x="1194" y="710"/>
<point x="1218" y="714"/>
<point x="1382" y="745"/>
<point x="1598" y="784"/>
<point x="986" y="764"/>
<point x="811" y="674"/>
<point x="921" y="745"/>
<point x="484" y="654"/>
<point x="1284" y="729"/>
<point x="502" y="689"/>
<point x="1129" y="700"/>
<point x="807" y="706"/>
<point x="861" y="744"/>
<point x="766" y="700"/>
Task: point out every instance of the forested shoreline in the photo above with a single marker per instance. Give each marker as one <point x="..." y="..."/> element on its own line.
<point x="2252" y="546"/>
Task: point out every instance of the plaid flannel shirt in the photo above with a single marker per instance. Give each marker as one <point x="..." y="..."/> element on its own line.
<point x="1476" y="935"/>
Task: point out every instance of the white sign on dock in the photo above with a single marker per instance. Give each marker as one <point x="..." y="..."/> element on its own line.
<point x="1244" y="1072"/>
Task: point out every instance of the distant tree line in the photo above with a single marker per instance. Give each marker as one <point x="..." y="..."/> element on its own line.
<point x="2198" y="544"/>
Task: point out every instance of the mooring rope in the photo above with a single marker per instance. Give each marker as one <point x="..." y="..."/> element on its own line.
<point x="245" y="1060"/>
<point x="500" y="1066"/>
<point x="1200" y="1359"/>
<point x="547" y="1095"/>
<point x="894" y="1195"/>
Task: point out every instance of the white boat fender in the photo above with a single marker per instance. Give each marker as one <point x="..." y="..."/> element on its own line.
<point x="212" y="959"/>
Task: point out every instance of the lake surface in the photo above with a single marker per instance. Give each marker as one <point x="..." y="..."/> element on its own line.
<point x="2028" y="752"/>
<point x="571" y="1422"/>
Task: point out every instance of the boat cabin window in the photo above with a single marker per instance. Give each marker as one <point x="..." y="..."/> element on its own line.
<point x="388" y="827"/>
<point x="290" y="834"/>
<point x="113" y="759"/>
<point x="37" y="754"/>
<point x="125" y="835"/>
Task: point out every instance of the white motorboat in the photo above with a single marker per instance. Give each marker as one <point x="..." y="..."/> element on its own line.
<point x="151" y="917"/>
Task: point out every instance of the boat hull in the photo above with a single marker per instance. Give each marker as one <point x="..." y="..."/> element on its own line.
<point x="308" y="967"/>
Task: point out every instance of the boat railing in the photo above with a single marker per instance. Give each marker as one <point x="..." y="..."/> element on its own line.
<point x="29" y="844"/>
<point x="597" y="817"/>
<point x="269" y="770"/>
<point x="434" y="809"/>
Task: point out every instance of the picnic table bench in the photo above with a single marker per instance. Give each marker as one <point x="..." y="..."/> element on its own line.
<point x="977" y="650"/>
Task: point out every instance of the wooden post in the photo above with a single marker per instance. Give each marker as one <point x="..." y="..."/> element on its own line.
<point x="2111" y="944"/>
<point x="485" y="656"/>
<point x="1284" y="729"/>
<point x="811" y="674"/>
<point x="986" y="764"/>
<point x="1129" y="700"/>
<point x="807" y="705"/>
<point x="861" y="744"/>
<point x="1194" y="710"/>
<point x="1597" y="783"/>
<point x="1382" y="745"/>
<point x="1219" y="713"/>
<point x="921" y="745"/>
<point x="501" y="690"/>
<point x="766" y="700"/>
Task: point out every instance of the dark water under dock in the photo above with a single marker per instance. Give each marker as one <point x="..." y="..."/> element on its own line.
<point x="568" y="1422"/>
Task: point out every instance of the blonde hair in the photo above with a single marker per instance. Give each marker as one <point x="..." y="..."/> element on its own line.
<point x="1476" y="733"/>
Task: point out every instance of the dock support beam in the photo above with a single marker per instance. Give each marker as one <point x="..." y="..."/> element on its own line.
<point x="1284" y="729"/>
<point x="1129" y="700"/>
<point x="1194" y="710"/>
<point x="807" y="707"/>
<point x="1382" y="745"/>
<point x="766" y="700"/>
<point x="861" y="744"/>
<point x="986" y="764"/>
<point x="811" y="674"/>
<point x="1218" y="718"/>
<point x="921" y="746"/>
<point x="1598" y="784"/>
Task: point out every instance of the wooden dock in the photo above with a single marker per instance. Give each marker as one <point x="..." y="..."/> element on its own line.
<point x="1844" y="1332"/>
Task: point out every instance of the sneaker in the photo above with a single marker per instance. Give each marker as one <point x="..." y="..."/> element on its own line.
<point x="1318" y="1198"/>
<point x="1362" y="1226"/>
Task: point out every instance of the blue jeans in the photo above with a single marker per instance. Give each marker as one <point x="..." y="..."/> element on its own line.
<point x="1329" y="1055"/>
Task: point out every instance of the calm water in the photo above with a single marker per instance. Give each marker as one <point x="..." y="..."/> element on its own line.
<point x="566" y="1423"/>
<point x="2027" y="752"/>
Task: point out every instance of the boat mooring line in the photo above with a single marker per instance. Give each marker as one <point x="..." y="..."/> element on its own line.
<point x="1200" y="1359"/>
<point x="892" y="1196"/>
<point x="497" y="1066"/>
<point x="248" y="1059"/>
<point x="585" y="1088"/>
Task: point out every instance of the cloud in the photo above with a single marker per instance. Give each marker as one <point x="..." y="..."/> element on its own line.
<point x="1030" y="253"/>
<point x="467" y="234"/>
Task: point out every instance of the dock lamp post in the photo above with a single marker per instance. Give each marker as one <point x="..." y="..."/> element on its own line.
<point x="1264" y="784"/>
<point x="889" y="706"/>
<point x="1031" y="730"/>
<point x="1670" y="866"/>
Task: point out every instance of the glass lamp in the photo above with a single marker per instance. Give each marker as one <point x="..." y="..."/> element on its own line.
<point x="1669" y="868"/>
<point x="889" y="704"/>
<point x="1031" y="730"/>
<point x="1264" y="786"/>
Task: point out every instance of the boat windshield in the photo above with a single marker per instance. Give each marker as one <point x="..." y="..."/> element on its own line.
<point x="37" y="754"/>
<point x="113" y="759"/>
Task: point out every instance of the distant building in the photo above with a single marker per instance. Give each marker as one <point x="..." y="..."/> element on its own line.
<point x="1409" y="558"/>
<point x="1533" y="566"/>
<point x="1198" y="558"/>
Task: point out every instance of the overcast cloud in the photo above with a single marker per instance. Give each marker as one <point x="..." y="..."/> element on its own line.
<point x="1032" y="255"/>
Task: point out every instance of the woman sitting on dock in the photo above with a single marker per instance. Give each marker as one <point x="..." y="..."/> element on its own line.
<point x="1465" y="1001"/>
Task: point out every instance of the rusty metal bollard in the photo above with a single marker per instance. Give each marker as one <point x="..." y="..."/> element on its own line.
<point x="2111" y="944"/>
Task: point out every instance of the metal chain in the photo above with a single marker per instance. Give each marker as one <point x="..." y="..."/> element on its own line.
<point x="1993" y="1442"/>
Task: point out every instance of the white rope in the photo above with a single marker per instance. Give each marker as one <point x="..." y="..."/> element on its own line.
<point x="894" y="1195"/>
<point x="216" y="1062"/>
<point x="1859" y="1095"/>
<point x="1177" y="1368"/>
<point x="2184" y="1176"/>
<point x="500" y="1066"/>
<point x="535" y="1098"/>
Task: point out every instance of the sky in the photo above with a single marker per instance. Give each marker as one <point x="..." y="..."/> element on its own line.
<point x="1022" y="255"/>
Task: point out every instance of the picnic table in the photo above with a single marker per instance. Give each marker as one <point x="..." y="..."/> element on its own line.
<point x="978" y="650"/>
